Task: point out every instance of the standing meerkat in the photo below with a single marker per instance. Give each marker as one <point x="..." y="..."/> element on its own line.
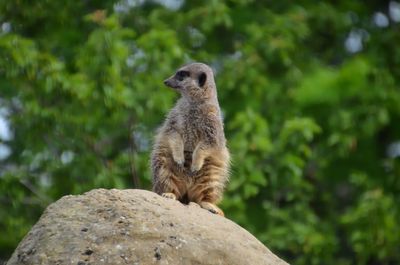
<point x="190" y="160"/>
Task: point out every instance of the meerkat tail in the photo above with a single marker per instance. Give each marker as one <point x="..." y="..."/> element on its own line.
<point x="211" y="207"/>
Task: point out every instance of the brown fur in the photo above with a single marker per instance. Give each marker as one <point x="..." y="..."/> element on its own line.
<point x="190" y="160"/>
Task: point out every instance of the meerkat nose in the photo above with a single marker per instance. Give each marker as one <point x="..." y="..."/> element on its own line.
<point x="168" y="82"/>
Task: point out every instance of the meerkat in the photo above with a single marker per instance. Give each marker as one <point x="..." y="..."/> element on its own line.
<point x="190" y="160"/>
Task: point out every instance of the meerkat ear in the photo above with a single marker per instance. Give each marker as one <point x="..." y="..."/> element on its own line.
<point x="202" y="79"/>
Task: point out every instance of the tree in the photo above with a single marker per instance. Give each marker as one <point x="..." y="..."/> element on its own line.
<point x="309" y="93"/>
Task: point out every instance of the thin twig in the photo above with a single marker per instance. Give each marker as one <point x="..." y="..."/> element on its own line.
<point x="132" y="153"/>
<point x="43" y="198"/>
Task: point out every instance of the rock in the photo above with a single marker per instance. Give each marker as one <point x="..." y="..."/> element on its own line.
<point x="136" y="227"/>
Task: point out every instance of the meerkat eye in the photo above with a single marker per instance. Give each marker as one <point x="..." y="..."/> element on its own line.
<point x="180" y="75"/>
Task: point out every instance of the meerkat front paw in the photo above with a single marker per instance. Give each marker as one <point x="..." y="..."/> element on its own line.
<point x="176" y="145"/>
<point x="169" y="195"/>
<point x="179" y="158"/>
<point x="212" y="208"/>
<point x="199" y="154"/>
<point x="196" y="165"/>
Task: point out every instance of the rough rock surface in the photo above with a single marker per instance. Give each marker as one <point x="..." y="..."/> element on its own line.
<point x="136" y="227"/>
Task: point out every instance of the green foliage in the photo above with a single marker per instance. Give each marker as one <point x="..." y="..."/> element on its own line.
<point x="378" y="214"/>
<point x="312" y="127"/>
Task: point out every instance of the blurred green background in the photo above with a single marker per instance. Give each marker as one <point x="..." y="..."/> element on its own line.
<point x="309" y="90"/>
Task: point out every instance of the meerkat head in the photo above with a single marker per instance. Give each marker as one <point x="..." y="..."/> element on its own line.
<point x="195" y="80"/>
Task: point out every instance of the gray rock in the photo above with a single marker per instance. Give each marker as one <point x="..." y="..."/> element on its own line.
<point x="136" y="227"/>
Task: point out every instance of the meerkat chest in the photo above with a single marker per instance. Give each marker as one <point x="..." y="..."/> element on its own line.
<point x="191" y="126"/>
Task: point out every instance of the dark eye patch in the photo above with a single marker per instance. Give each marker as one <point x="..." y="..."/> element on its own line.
<point x="180" y="75"/>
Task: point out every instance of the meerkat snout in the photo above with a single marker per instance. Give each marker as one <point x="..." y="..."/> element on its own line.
<point x="178" y="79"/>
<point x="167" y="82"/>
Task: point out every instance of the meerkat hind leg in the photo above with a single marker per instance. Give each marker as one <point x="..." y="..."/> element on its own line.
<point x="165" y="182"/>
<point x="169" y="195"/>
<point x="211" y="207"/>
